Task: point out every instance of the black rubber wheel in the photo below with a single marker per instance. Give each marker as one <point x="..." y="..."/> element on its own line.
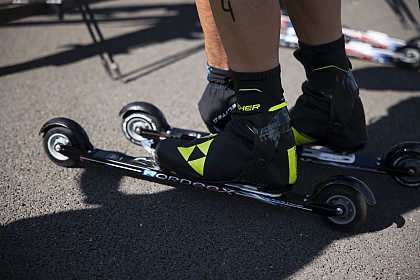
<point x="135" y="121"/>
<point x="409" y="160"/>
<point x="350" y="204"/>
<point x="63" y="136"/>
<point x="408" y="57"/>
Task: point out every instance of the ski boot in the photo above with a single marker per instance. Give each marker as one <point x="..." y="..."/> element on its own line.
<point x="329" y="112"/>
<point x="256" y="148"/>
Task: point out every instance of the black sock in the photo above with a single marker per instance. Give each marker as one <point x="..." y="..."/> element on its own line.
<point x="317" y="56"/>
<point x="263" y="88"/>
<point x="333" y="46"/>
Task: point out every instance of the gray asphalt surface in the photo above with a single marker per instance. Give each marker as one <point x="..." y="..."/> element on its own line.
<point x="58" y="223"/>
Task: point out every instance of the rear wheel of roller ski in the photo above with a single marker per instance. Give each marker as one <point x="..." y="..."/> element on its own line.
<point x="351" y="207"/>
<point x="405" y="156"/>
<point x="140" y="116"/>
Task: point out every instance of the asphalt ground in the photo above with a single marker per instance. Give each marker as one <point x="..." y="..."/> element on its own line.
<point x="59" y="223"/>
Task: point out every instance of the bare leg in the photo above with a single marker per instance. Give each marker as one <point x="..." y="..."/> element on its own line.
<point x="250" y="29"/>
<point x="216" y="56"/>
<point x="250" y="33"/>
<point x="316" y="21"/>
<point x="218" y="99"/>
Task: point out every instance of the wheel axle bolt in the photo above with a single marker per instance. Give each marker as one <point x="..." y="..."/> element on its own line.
<point x="138" y="130"/>
<point x="339" y="211"/>
<point x="57" y="147"/>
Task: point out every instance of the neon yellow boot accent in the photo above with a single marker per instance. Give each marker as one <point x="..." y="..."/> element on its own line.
<point x="277" y="107"/>
<point x="204" y="147"/>
<point x="291" y="154"/>
<point x="301" y="139"/>
<point x="186" y="152"/>
<point x="196" y="164"/>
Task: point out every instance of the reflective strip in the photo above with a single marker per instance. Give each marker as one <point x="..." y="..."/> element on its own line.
<point x="301" y="139"/>
<point x="208" y="136"/>
<point x="330" y="66"/>
<point x="277" y="107"/>
<point x="250" y="89"/>
<point x="291" y="154"/>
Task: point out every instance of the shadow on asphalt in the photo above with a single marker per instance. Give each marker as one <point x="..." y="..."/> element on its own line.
<point x="158" y="64"/>
<point x="177" y="21"/>
<point x="387" y="78"/>
<point x="184" y="233"/>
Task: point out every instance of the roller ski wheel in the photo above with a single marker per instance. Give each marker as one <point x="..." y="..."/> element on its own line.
<point x="142" y="116"/>
<point x="408" y="57"/>
<point x="405" y="156"/>
<point x="145" y="125"/>
<point x="63" y="141"/>
<point x="350" y="205"/>
<point x="56" y="137"/>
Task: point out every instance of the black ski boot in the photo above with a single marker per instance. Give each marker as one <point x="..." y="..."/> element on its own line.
<point x="329" y="112"/>
<point x="256" y="148"/>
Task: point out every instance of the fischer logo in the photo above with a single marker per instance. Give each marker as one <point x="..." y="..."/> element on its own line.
<point x="183" y="181"/>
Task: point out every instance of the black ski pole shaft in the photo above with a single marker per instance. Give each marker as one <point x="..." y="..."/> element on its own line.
<point x="96" y="26"/>
<point x="92" y="34"/>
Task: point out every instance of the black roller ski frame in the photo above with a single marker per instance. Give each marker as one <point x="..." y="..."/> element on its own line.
<point x="144" y="124"/>
<point x="341" y="200"/>
<point x="402" y="161"/>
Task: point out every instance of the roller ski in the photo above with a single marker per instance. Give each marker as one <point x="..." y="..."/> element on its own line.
<point x="144" y="124"/>
<point x="341" y="201"/>
<point x="255" y="156"/>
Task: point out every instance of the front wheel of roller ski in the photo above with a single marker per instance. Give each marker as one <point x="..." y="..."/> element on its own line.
<point x="408" y="57"/>
<point x="56" y="137"/>
<point x="351" y="207"/>
<point x="140" y="116"/>
<point x="64" y="133"/>
<point x="405" y="159"/>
